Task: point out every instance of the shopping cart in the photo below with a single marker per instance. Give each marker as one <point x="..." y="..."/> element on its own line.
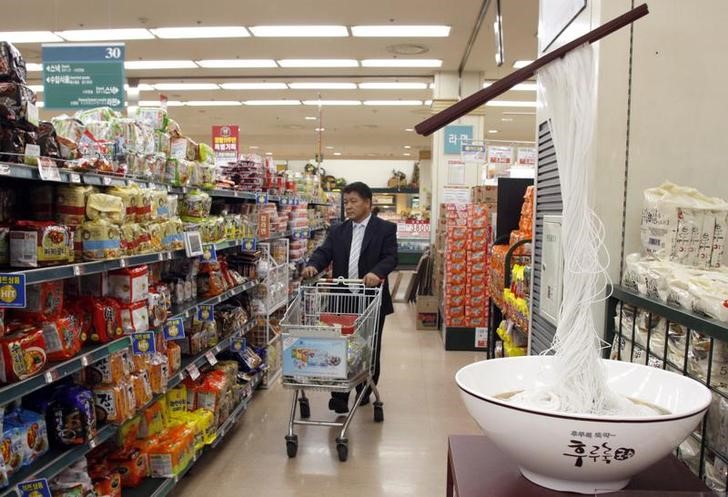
<point x="329" y="344"/>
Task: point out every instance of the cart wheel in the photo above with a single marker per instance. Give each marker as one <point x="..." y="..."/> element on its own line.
<point x="292" y="445"/>
<point x="305" y="408"/>
<point x="343" y="451"/>
<point x="378" y="413"/>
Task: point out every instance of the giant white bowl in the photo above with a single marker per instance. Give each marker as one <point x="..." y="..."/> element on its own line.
<point x="581" y="453"/>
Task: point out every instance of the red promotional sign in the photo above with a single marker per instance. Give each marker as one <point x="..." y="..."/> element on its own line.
<point x="225" y="143"/>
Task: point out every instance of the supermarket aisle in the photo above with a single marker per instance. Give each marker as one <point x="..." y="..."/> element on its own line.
<point x="404" y="456"/>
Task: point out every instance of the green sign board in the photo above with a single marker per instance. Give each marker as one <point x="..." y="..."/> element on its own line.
<point x="83" y="76"/>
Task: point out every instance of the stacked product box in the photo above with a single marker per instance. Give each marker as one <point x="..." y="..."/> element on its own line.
<point x="467" y="238"/>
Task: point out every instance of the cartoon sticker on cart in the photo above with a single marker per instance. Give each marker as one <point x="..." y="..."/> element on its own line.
<point x="315" y="357"/>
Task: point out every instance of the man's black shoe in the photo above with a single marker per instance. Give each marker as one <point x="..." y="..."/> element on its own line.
<point x="339" y="406"/>
<point x="364" y="401"/>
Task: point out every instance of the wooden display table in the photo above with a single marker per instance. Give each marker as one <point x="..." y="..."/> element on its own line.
<point x="477" y="468"/>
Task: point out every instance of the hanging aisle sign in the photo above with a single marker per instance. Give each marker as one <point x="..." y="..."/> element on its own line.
<point x="225" y="144"/>
<point x="83" y="76"/>
<point x="455" y="135"/>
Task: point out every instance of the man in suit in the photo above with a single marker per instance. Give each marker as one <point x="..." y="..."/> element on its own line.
<point x="363" y="247"/>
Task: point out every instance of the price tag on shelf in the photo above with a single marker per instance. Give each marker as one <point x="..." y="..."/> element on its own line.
<point x="174" y="329"/>
<point x="143" y="342"/>
<point x="261" y="198"/>
<point x="193" y="371"/>
<point x="249" y="244"/>
<point x="106" y="180"/>
<point x="209" y="253"/>
<point x="4" y="169"/>
<point x="48" y="169"/>
<point x="193" y="243"/>
<point x="122" y="263"/>
<point x="52" y="376"/>
<point x="32" y="152"/>
<point x="74" y="177"/>
<point x="34" y="488"/>
<point x="211" y="358"/>
<point x="206" y="313"/>
<point x="239" y="344"/>
<point x="93" y="443"/>
<point x="84" y="361"/>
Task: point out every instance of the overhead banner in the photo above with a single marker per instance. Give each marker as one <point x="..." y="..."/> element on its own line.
<point x="225" y="143"/>
<point x="83" y="76"/>
<point x="500" y="160"/>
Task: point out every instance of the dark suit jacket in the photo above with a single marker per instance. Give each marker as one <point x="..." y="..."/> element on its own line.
<point x="378" y="253"/>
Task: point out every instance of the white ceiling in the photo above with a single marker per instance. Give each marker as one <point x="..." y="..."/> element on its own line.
<point x="356" y="132"/>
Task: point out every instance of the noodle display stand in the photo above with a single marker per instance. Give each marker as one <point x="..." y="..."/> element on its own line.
<point x="477" y="468"/>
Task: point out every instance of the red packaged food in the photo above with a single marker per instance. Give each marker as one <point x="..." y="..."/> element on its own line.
<point x="474" y="257"/>
<point x="2" y="322"/>
<point x="134" y="317"/>
<point x="475" y="279"/>
<point x="106" y="320"/>
<point x="456" y="321"/>
<point x="344" y="321"/>
<point x="62" y="338"/>
<point x="83" y="315"/>
<point x="454" y="290"/>
<point x="131" y="465"/>
<point x="107" y="483"/>
<point x="479" y="234"/>
<point x="23" y="354"/>
<point x="44" y="302"/>
<point x="477" y="290"/>
<point x="457" y="233"/>
<point x="456" y="278"/>
<point x="129" y="285"/>
<point x="477" y="321"/>
<point x="454" y="311"/>
<point x="478" y="244"/>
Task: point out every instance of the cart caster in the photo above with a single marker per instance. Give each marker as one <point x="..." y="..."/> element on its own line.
<point x="378" y="412"/>
<point x="342" y="448"/>
<point x="292" y="445"/>
<point x="305" y="408"/>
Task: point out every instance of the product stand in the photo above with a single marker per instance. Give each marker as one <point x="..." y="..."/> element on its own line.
<point x="477" y="468"/>
<point x="56" y="460"/>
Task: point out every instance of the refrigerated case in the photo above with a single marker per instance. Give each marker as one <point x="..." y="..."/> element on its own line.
<point x="402" y="207"/>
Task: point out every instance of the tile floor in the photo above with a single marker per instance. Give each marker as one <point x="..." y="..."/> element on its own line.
<point x="404" y="456"/>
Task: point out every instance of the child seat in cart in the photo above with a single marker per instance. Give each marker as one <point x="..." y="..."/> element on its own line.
<point x="329" y="341"/>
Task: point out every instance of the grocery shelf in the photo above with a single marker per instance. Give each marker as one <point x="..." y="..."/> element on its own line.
<point x="89" y="355"/>
<point x="188" y="309"/>
<point x="55" y="461"/>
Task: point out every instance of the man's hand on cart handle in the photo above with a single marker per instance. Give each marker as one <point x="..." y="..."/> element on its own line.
<point x="309" y="272"/>
<point x="371" y="279"/>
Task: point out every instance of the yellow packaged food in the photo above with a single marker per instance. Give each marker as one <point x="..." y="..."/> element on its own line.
<point x="177" y="400"/>
<point x="130" y="238"/>
<point x="71" y="203"/>
<point x="156" y="233"/>
<point x="100" y="240"/>
<point x="128" y="198"/>
<point x="206" y="420"/>
<point x="107" y="207"/>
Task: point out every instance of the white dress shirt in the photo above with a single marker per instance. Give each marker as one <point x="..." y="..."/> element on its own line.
<point x="357" y="237"/>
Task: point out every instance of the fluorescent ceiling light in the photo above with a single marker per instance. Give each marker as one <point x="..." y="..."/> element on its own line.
<point x="185" y="86"/>
<point x="36" y="88"/>
<point x="401" y="63"/>
<point x="520" y="64"/>
<point x="329" y="147"/>
<point x="30" y="37"/>
<point x="392" y="31"/>
<point x="337" y="153"/>
<point x="408" y="147"/>
<point x="519" y="113"/>
<point x="309" y="63"/>
<point x="213" y="103"/>
<point x="311" y="118"/>
<point x="331" y="102"/>
<point x="428" y="102"/>
<point x="320" y="130"/>
<point x="271" y="102"/>
<point x="159" y="64"/>
<point x="236" y="63"/>
<point x="510" y="103"/>
<point x="393" y="102"/>
<point x="33" y="67"/>
<point x="518" y="87"/>
<point x="269" y="153"/>
<point x="322" y="86"/>
<point x="106" y="34"/>
<point x="492" y="131"/>
<point x="300" y="31"/>
<point x="254" y="147"/>
<point x="201" y="32"/>
<point x="157" y="103"/>
<point x="410" y="129"/>
<point x="406" y="154"/>
<point x="506" y="119"/>
<point x="393" y="86"/>
<point x="253" y="86"/>
<point x="141" y="87"/>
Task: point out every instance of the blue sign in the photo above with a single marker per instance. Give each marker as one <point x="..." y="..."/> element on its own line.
<point x="12" y="290"/>
<point x="83" y="76"/>
<point x="205" y="312"/>
<point x="239" y="345"/>
<point x="261" y="198"/>
<point x="174" y="329"/>
<point x="249" y="244"/>
<point x="34" y="488"/>
<point x="143" y="342"/>
<point x="454" y="137"/>
<point x="209" y="253"/>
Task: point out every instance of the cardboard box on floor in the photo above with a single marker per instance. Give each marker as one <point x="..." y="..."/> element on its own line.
<point x="427" y="310"/>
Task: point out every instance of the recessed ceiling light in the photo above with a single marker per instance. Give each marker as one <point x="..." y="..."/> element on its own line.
<point x="36" y="88"/>
<point x="337" y="153"/>
<point x="33" y="67"/>
<point x="106" y="34"/>
<point x="236" y="63"/>
<point x="393" y="86"/>
<point x="401" y="63"/>
<point x="510" y="103"/>
<point x="322" y="86"/>
<point x="407" y="154"/>
<point x="319" y="130"/>
<point x="329" y="147"/>
<point x="410" y="129"/>
<point x="254" y="147"/>
<point x="331" y="102"/>
<point x="157" y="103"/>
<point x="518" y="87"/>
<point x="391" y="31"/>
<point x="311" y="118"/>
<point x="492" y="131"/>
<point x="30" y="37"/>
<point x="393" y="102"/>
<point x="201" y="32"/>
<point x="371" y="155"/>
<point x="408" y="147"/>
<point x="213" y="103"/>
<point x="269" y="153"/>
<point x="300" y="31"/>
<point x="272" y="102"/>
<point x="309" y="63"/>
<point x="159" y="64"/>
<point x="253" y="86"/>
<point x="185" y="86"/>
<point x="506" y="119"/>
<point x="519" y="64"/>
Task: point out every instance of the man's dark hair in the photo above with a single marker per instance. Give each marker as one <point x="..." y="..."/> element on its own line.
<point x="360" y="188"/>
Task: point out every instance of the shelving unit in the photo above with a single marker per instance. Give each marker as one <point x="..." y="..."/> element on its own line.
<point x="413" y="238"/>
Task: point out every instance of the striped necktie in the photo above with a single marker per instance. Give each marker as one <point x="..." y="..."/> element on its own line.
<point x="356" y="239"/>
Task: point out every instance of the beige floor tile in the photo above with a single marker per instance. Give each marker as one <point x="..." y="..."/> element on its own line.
<point x="404" y="456"/>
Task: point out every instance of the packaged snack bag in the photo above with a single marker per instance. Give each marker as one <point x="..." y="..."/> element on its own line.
<point x="62" y="338"/>
<point x="107" y="324"/>
<point x="71" y="416"/>
<point x="23" y="354"/>
<point x="129" y="285"/>
<point x="40" y="243"/>
<point x="100" y="240"/>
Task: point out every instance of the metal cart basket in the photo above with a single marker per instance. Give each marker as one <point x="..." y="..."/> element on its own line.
<point x="329" y="343"/>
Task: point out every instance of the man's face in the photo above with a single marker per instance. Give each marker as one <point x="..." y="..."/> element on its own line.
<point x="356" y="207"/>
